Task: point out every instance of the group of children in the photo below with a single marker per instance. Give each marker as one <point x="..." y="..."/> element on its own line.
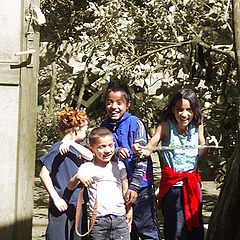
<point x="116" y="168"/>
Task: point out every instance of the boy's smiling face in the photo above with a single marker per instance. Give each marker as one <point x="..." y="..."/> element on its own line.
<point x="103" y="148"/>
<point x="116" y="105"/>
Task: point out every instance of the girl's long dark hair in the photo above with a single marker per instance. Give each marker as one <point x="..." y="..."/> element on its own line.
<point x="190" y="95"/>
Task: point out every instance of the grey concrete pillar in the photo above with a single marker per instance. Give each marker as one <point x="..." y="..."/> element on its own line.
<point x="18" y="94"/>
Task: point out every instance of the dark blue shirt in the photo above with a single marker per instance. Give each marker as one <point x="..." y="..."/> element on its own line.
<point x="62" y="168"/>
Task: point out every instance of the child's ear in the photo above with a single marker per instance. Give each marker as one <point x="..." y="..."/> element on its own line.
<point x="91" y="148"/>
<point x="73" y="131"/>
<point x="128" y="104"/>
<point x="76" y="129"/>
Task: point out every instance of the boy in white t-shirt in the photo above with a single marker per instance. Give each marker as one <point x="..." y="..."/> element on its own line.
<point x="106" y="179"/>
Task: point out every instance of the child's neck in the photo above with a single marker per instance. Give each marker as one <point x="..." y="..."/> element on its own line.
<point x="100" y="163"/>
<point x="182" y="130"/>
<point x="69" y="137"/>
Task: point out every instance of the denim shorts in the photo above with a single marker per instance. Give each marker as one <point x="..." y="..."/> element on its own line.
<point x="110" y="227"/>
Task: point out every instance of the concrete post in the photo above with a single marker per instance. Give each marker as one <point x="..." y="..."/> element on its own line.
<point x="18" y="98"/>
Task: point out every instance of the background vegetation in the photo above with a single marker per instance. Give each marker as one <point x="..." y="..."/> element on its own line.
<point x="155" y="47"/>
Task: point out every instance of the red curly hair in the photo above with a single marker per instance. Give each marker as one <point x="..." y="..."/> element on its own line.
<point x="71" y="118"/>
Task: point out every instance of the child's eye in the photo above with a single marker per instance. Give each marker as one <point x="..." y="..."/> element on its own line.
<point x="108" y="102"/>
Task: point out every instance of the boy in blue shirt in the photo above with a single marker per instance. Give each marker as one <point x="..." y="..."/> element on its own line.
<point x="127" y="130"/>
<point x="59" y="165"/>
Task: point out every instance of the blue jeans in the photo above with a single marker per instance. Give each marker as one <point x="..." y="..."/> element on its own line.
<point x="174" y="221"/>
<point x="61" y="224"/>
<point x="110" y="227"/>
<point x="145" y="224"/>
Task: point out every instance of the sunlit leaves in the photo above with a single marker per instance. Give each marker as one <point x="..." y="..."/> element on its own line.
<point x="148" y="43"/>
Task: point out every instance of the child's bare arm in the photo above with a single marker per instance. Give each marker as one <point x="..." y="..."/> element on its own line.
<point x="210" y="140"/>
<point x="129" y="213"/>
<point x="73" y="182"/>
<point x="80" y="177"/>
<point x="129" y="218"/>
<point x="47" y="181"/>
<point x="83" y="151"/>
<point x="157" y="137"/>
<point x="201" y="138"/>
<point x="124" y="185"/>
<point x="161" y="131"/>
<point x="125" y="191"/>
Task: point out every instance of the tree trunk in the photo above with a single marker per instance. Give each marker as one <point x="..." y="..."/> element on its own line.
<point x="224" y="222"/>
<point x="84" y="80"/>
<point x="53" y="88"/>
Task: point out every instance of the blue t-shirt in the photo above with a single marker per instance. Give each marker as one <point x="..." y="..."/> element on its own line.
<point x="61" y="169"/>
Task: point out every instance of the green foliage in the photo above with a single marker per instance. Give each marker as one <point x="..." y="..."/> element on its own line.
<point x="155" y="46"/>
<point x="47" y="130"/>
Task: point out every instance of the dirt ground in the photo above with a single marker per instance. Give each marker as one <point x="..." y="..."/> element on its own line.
<point x="210" y="195"/>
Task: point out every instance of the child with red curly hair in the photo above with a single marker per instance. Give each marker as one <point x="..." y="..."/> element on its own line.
<point x="59" y="165"/>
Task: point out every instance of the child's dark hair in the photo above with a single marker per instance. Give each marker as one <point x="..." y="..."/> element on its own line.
<point x="190" y="95"/>
<point x="98" y="132"/>
<point x="118" y="88"/>
<point x="71" y="118"/>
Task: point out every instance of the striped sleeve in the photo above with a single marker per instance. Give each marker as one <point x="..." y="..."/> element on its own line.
<point x="141" y="164"/>
<point x="141" y="134"/>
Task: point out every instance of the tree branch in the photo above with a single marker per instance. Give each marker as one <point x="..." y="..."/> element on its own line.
<point x="195" y="40"/>
<point x="84" y="79"/>
<point x="199" y="41"/>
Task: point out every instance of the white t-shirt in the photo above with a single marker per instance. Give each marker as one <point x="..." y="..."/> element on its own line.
<point x="107" y="187"/>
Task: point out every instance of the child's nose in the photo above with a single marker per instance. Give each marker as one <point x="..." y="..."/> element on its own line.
<point x="107" y="149"/>
<point x="184" y="113"/>
<point x="114" y="105"/>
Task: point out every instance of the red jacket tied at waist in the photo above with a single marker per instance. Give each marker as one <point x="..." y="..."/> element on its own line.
<point x="191" y="193"/>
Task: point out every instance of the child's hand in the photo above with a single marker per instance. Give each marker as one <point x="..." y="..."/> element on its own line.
<point x="136" y="148"/>
<point x="60" y="204"/>
<point x="211" y="140"/>
<point x="64" y="147"/>
<point x="85" y="179"/>
<point x="129" y="219"/>
<point x="140" y="150"/>
<point x="123" y="153"/>
<point x="130" y="197"/>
